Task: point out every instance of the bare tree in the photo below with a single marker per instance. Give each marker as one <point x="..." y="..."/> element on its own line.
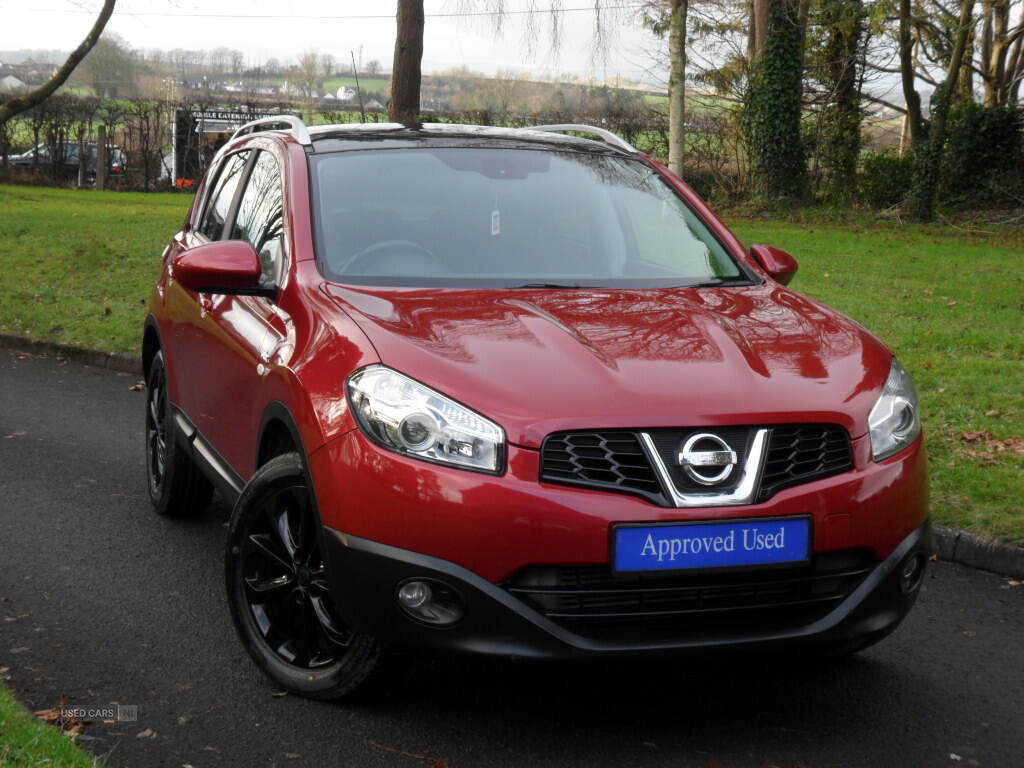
<point x="914" y="118"/>
<point x="20" y="104"/>
<point x="929" y="157"/>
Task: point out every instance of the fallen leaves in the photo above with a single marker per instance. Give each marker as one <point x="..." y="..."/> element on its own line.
<point x="13" y="435"/>
<point x="983" y="446"/>
<point x="59" y="716"/>
<point x="138" y="386"/>
<point x="149" y="733"/>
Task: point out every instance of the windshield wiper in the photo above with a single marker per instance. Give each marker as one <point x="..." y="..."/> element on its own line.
<point x="716" y="281"/>
<point x="548" y="285"/>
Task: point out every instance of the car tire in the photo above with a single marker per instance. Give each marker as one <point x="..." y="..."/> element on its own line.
<point x="279" y="592"/>
<point x="176" y="485"/>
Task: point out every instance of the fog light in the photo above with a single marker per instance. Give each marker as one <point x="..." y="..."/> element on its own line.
<point x="911" y="573"/>
<point x="413" y="594"/>
<point x="430" y="602"/>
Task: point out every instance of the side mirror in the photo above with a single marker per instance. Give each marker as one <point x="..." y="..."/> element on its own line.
<point x="224" y="266"/>
<point x="776" y="262"/>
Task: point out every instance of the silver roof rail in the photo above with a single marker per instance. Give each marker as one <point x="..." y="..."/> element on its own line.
<point x="611" y="138"/>
<point x="296" y="127"/>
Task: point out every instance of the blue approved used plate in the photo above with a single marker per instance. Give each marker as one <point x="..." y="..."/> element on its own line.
<point x="728" y="544"/>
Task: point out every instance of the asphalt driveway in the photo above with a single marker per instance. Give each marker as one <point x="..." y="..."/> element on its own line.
<point x="101" y="601"/>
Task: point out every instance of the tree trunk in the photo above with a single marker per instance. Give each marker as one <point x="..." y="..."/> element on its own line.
<point x="22" y="103"/>
<point x="843" y="21"/>
<point x="1015" y="69"/>
<point x="773" y="110"/>
<point x="915" y="120"/>
<point x="102" y="163"/>
<point x="759" y="28"/>
<point x="405" y="74"/>
<point x="929" y="159"/>
<point x="677" y="86"/>
<point x="805" y="18"/>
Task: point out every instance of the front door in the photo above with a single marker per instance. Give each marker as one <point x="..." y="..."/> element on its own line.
<point x="235" y="333"/>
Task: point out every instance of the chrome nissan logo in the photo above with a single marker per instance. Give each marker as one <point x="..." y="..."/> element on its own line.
<point x="707" y="459"/>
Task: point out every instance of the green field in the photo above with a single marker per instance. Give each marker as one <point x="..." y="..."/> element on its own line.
<point x="77" y="267"/>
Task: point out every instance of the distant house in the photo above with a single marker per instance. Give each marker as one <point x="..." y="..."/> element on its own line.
<point x="374" y="104"/>
<point x="345" y="93"/>
<point x="10" y="84"/>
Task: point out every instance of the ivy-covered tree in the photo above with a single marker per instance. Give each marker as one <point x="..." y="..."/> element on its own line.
<point x="842" y="24"/>
<point x="771" y="118"/>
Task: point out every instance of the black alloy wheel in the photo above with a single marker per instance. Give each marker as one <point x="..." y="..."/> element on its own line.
<point x="176" y="486"/>
<point x="286" y="581"/>
<point x="156" y="432"/>
<point x="279" y="590"/>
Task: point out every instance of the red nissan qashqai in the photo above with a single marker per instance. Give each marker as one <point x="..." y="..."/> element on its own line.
<point x="517" y="392"/>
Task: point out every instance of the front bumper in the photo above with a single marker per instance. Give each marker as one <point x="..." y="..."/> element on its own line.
<point x="495" y="526"/>
<point x="367" y="575"/>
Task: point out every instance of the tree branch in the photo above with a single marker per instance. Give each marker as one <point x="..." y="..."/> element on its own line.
<point x="884" y="103"/>
<point x="23" y="103"/>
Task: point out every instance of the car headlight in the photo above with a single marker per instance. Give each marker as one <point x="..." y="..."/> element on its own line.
<point x="894" y="422"/>
<point x="405" y="416"/>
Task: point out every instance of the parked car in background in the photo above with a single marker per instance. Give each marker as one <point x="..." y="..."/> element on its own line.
<point x="520" y="393"/>
<point x="68" y="160"/>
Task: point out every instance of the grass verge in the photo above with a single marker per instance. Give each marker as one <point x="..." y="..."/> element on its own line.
<point x="77" y="267"/>
<point x="26" y="742"/>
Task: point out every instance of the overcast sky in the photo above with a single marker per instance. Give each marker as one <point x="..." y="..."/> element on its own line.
<point x="282" y="32"/>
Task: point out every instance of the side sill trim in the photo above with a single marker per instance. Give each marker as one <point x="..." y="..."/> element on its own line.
<point x="212" y="464"/>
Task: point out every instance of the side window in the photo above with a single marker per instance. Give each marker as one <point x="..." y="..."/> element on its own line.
<point x="260" y="218"/>
<point x="219" y="202"/>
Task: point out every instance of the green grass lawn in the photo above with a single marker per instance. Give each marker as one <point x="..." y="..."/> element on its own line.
<point x="26" y="742"/>
<point x="77" y="267"/>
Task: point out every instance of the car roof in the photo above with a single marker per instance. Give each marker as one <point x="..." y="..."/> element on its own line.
<point x="349" y="136"/>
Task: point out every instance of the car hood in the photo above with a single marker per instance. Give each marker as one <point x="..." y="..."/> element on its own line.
<point x="540" y="361"/>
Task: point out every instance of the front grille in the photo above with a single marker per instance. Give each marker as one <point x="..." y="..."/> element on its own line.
<point x="594" y="601"/>
<point x="614" y="460"/>
<point x="610" y="460"/>
<point x="803" y="452"/>
<point x="668" y="442"/>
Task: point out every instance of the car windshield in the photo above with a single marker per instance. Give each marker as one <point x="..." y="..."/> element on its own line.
<point x="509" y="218"/>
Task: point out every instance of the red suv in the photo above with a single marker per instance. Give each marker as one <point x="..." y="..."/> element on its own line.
<point x="517" y="392"/>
